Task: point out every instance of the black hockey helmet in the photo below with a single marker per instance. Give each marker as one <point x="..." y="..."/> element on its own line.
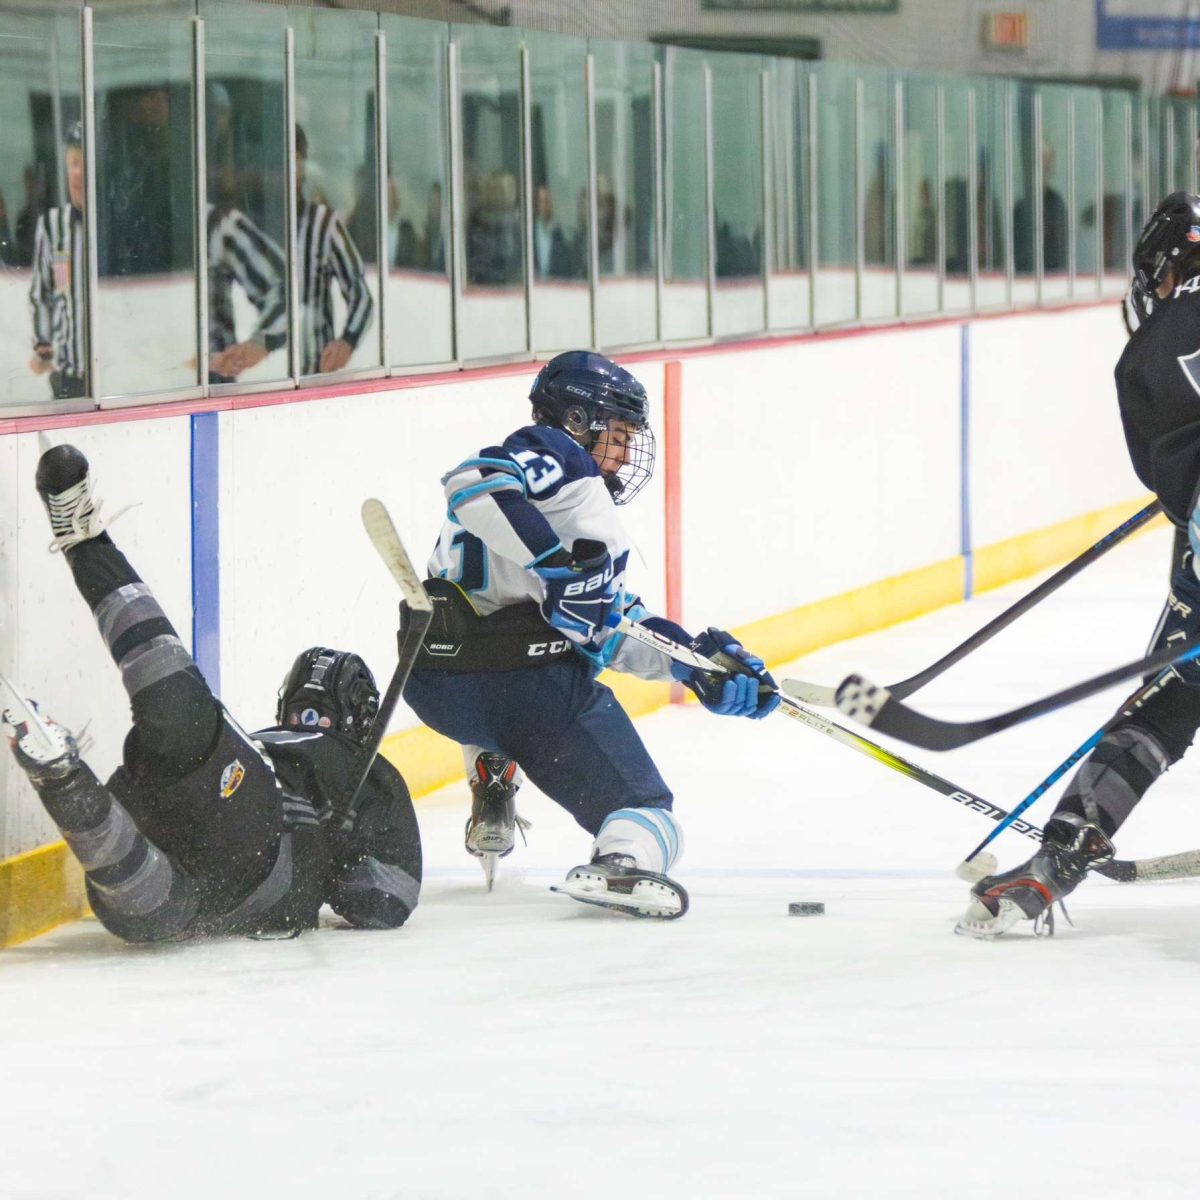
<point x="1171" y="236"/>
<point x="329" y="689"/>
<point x="580" y="392"/>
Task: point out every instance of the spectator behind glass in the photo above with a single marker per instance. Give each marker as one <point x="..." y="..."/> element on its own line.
<point x="326" y="252"/>
<point x="553" y="255"/>
<point x="1054" y="224"/>
<point x="56" y="294"/>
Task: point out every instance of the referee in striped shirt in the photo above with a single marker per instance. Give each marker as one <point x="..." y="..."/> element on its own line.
<point x="325" y="253"/>
<point x="56" y="293"/>
<point x="239" y="252"/>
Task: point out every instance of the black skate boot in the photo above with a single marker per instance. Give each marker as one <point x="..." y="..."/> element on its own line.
<point x="616" y="881"/>
<point x="1070" y="848"/>
<point x="493" y="824"/>
<point x="64" y="484"/>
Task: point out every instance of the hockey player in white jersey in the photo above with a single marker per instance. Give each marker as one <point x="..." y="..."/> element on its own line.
<point x="529" y="568"/>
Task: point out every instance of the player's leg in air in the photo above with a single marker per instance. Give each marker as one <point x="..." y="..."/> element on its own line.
<point x="160" y="844"/>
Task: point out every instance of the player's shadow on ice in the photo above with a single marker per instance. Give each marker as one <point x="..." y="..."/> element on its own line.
<point x="1173" y="930"/>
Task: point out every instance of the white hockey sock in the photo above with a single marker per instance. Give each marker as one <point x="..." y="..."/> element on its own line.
<point x="650" y="836"/>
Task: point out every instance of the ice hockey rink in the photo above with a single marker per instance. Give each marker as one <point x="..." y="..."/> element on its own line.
<point x="519" y="1044"/>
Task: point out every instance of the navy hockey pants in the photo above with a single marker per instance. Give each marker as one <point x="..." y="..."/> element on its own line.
<point x="565" y="729"/>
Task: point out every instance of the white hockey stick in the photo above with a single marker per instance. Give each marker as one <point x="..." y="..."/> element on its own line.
<point x="417" y="615"/>
<point x="1184" y="865"/>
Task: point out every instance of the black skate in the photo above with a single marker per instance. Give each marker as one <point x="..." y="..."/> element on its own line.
<point x="1026" y="893"/>
<point x="493" y="824"/>
<point x="615" y="881"/>
<point x="65" y="486"/>
<point x="44" y="750"/>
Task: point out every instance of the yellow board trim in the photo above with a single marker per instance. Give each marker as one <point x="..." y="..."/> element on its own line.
<point x="44" y="887"/>
<point x="39" y="889"/>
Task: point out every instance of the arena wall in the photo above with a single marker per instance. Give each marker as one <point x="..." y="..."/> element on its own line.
<point x="821" y="486"/>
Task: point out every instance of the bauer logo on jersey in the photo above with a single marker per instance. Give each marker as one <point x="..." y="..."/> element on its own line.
<point x="231" y="779"/>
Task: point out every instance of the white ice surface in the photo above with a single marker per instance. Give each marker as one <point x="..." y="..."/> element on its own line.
<point x="522" y="1045"/>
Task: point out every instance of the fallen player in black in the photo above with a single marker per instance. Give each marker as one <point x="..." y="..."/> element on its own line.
<point x="204" y="829"/>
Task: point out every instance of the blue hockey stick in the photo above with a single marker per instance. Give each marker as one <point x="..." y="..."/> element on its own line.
<point x="1042" y="788"/>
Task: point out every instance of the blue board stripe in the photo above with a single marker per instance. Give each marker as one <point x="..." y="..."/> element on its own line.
<point x="964" y="503"/>
<point x="206" y="548"/>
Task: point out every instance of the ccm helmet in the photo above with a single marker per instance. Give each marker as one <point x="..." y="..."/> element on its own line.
<point x="329" y="689"/>
<point x="581" y="392"/>
<point x="1171" y="236"/>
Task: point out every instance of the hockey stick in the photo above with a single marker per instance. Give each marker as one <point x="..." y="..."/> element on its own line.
<point x="1121" y="870"/>
<point x="416" y="613"/>
<point x="814" y="693"/>
<point x="873" y="706"/>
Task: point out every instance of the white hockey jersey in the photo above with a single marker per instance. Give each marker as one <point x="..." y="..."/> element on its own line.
<point x="511" y="508"/>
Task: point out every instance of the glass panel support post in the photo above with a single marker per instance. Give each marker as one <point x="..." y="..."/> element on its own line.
<point x="200" y="166"/>
<point x="91" y="248"/>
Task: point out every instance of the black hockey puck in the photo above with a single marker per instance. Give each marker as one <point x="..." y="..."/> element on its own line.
<point x="805" y="908"/>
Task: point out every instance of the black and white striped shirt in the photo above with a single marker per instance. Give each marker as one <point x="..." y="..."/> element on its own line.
<point x="326" y="252"/>
<point x="238" y="251"/>
<point x="56" y="293"/>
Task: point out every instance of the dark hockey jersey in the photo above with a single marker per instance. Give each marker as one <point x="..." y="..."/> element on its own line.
<point x="1158" y="389"/>
<point x="375" y="869"/>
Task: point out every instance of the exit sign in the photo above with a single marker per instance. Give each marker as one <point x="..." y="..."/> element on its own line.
<point x="1006" y="31"/>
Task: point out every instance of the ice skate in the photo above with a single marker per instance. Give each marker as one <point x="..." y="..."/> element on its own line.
<point x="1026" y="893"/>
<point x="615" y="881"/>
<point x="42" y="747"/>
<point x="65" y="486"/>
<point x="492" y="827"/>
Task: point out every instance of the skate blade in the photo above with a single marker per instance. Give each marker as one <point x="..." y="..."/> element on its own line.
<point x="37" y="741"/>
<point x="489" y="861"/>
<point x="987" y="928"/>
<point x="647" y="899"/>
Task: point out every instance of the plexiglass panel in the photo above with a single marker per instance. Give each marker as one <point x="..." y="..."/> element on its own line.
<point x="835" y="268"/>
<point x="560" y="299"/>
<point x="1056" y="103"/>
<point x="788" y="278"/>
<point x="1086" y="120"/>
<point x="420" y="307"/>
<point x="920" y="208"/>
<point x="43" y="277"/>
<point x="246" y="229"/>
<point x="879" y="196"/>
<point x="1025" y="200"/>
<point x="337" y="212"/>
<point x="957" y="101"/>
<point x="492" y="320"/>
<point x="146" y="338"/>
<point x="1118" y="221"/>
<point x="993" y="211"/>
<point x="1178" y="142"/>
<point x="627" y="284"/>
<point x="685" y="216"/>
<point x="738" y="194"/>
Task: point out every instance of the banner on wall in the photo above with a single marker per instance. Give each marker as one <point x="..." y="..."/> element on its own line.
<point x="1147" y="25"/>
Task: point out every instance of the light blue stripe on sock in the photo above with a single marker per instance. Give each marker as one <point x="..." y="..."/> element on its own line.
<point x="635" y="817"/>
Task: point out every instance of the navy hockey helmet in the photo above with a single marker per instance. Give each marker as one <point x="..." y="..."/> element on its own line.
<point x="581" y="393"/>
<point x="329" y="689"/>
<point x="1170" y="238"/>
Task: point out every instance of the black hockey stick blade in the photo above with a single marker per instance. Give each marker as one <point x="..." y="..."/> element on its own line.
<point x="416" y="611"/>
<point x="873" y="706"/>
<point x="815" y="693"/>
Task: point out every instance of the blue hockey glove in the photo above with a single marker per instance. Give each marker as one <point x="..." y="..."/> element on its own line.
<point x="747" y="691"/>
<point x="578" y="592"/>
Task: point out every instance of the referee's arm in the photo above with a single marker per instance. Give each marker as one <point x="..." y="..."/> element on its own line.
<point x="41" y="301"/>
<point x="348" y="269"/>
